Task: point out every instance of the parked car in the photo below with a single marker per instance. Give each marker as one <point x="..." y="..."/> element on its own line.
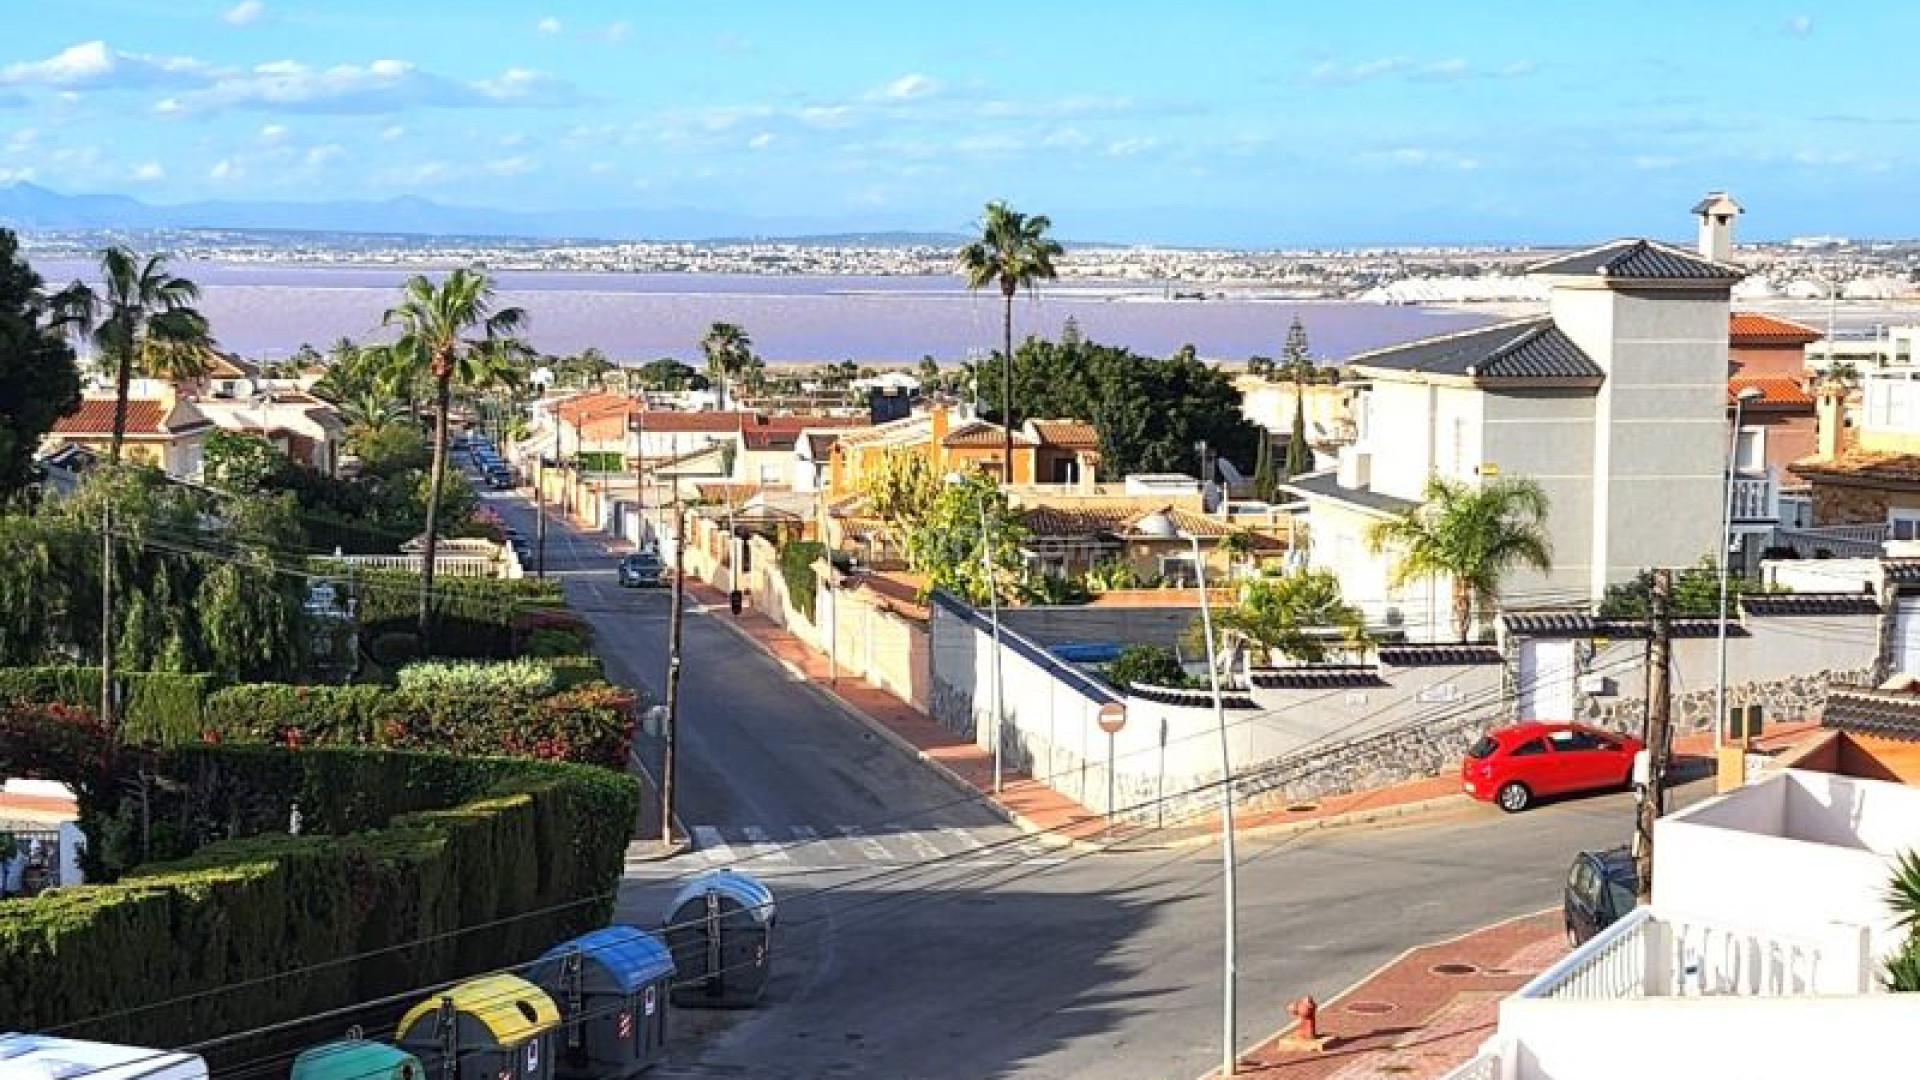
<point x="1602" y="887"/>
<point x="499" y="478"/>
<point x="642" y="569"/>
<point x="1513" y="766"/>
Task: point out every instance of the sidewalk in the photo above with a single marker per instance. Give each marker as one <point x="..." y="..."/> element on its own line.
<point x="1422" y="1015"/>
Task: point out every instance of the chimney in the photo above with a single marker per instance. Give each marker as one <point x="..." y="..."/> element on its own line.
<point x="1830" y="422"/>
<point x="1716" y="213"/>
<point x="937" y="437"/>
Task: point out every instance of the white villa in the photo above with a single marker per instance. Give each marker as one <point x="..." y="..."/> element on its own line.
<point x="1614" y="402"/>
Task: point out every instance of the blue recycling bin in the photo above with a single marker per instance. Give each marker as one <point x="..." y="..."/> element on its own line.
<point x="611" y="988"/>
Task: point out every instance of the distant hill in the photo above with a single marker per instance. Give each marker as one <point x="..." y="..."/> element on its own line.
<point x="30" y="206"/>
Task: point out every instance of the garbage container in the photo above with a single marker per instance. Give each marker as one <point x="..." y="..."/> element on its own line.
<point x="356" y="1059"/>
<point x="496" y="1028"/>
<point x="719" y="928"/>
<point x="611" y="987"/>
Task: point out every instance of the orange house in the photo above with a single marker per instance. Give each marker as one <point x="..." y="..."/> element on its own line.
<point x="1768" y="354"/>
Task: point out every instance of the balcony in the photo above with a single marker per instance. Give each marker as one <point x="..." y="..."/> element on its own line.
<point x="1756" y="498"/>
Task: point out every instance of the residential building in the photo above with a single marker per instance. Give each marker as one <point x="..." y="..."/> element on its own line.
<point x="1071" y="536"/>
<point x="1328" y="410"/>
<point x="1614" y="403"/>
<point x="162" y="429"/>
<point x="1867" y="473"/>
<point x="1769" y="355"/>
<point x="1044" y="451"/>
<point x="299" y="425"/>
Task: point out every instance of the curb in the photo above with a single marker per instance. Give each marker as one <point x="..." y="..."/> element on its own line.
<point x="661" y="852"/>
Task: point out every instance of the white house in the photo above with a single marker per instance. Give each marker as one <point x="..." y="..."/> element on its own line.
<point x="1614" y="402"/>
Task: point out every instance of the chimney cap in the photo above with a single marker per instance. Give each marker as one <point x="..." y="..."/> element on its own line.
<point x="1717" y="202"/>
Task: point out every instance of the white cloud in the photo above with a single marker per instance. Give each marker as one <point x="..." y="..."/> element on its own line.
<point x="224" y="169"/>
<point x="1799" y="26"/>
<point x="826" y="116"/>
<point x="519" y="165"/>
<point x="392" y="133"/>
<point x="149" y="170"/>
<point x="320" y="155"/>
<point x="1449" y="69"/>
<point x="16" y="176"/>
<point x="92" y="65"/>
<point x="245" y="13"/>
<point x="23" y="139"/>
<point x="616" y="32"/>
<point x="1066" y="139"/>
<point x="273" y="132"/>
<point x="1654" y="162"/>
<point x="1130" y="147"/>
<point x="374" y="87"/>
<point x="166" y="106"/>
<point x="908" y="87"/>
<point x="548" y="25"/>
<point x="760" y="141"/>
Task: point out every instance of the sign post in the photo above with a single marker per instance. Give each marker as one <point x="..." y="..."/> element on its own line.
<point x="1113" y="717"/>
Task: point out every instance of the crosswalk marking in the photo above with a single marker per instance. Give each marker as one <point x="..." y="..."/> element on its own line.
<point x="708" y="839"/>
<point x="872" y="848"/>
<point x="762" y="848"/>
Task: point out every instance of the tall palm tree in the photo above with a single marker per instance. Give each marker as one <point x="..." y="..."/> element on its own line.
<point x="452" y="333"/>
<point x="1013" y="251"/>
<point x="1470" y="535"/>
<point x="368" y="414"/>
<point x="142" y="317"/>
<point x="729" y="353"/>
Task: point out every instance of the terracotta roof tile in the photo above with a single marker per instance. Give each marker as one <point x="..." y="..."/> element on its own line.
<point x="95" y="417"/>
<point x="982" y="434"/>
<point x="776" y="439"/>
<point x="665" y="420"/>
<point x="1753" y="328"/>
<point x="1068" y="434"/>
<point x="1868" y="466"/>
<point x="1780" y="391"/>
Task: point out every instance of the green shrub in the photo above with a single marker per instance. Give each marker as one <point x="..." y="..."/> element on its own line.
<point x="394" y="648"/>
<point x="156" y="707"/>
<point x="1148" y="665"/>
<point x="522" y="679"/>
<point x="548" y="644"/>
<point x="430" y="848"/>
<point x="796" y="569"/>
<point x="473" y="618"/>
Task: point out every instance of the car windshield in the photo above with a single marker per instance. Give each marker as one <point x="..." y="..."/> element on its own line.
<point x="642" y="562"/>
<point x="1484" y="748"/>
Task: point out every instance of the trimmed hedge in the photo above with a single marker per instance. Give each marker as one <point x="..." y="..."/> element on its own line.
<point x="454" y="866"/>
<point x="592" y="723"/>
<point x="796" y="569"/>
<point x="474" y="618"/>
<point x="157" y="707"/>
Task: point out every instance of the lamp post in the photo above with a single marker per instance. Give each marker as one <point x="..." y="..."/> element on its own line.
<point x="1228" y="1060"/>
<point x="1751" y="393"/>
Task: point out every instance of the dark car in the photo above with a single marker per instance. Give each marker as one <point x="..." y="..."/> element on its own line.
<point x="642" y="570"/>
<point x="1602" y="887"/>
<point x="499" y="478"/>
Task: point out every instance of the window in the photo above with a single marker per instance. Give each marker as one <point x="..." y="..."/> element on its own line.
<point x="1178" y="569"/>
<point x="1577" y="740"/>
<point x="1903" y="524"/>
<point x="1484" y="748"/>
<point x="1750" y="452"/>
<point x="1531" y="748"/>
<point x="772" y="474"/>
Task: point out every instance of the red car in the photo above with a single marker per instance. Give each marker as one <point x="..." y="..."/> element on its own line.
<point x="1512" y="766"/>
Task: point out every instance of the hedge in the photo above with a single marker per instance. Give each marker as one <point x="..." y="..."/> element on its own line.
<point x="796" y="569"/>
<point x="473" y="617"/>
<point x="244" y="932"/>
<point x="156" y="707"/>
<point x="592" y="723"/>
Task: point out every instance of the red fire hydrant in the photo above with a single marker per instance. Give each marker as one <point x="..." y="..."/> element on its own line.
<point x="1305" y="1010"/>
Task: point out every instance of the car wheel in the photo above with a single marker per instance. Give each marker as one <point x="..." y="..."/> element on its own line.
<point x="1514" y="797"/>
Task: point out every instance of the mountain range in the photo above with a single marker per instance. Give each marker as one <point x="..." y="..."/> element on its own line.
<point x="30" y="207"/>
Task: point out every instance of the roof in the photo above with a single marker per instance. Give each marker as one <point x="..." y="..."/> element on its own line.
<point x="1524" y="349"/>
<point x="1576" y="624"/>
<point x="1886" y="713"/>
<point x="746" y="894"/>
<point x="983" y="434"/>
<point x="145" y="417"/>
<point x="356" y="1059"/>
<point x="617" y="959"/>
<point x="1809" y="603"/>
<point x="820" y="444"/>
<point x="496" y="1002"/>
<point x="771" y="438"/>
<point x="1326" y="485"/>
<point x="1777" y="391"/>
<point x="1319" y="676"/>
<point x="1192" y="699"/>
<point x="1438" y="655"/>
<point x="665" y="421"/>
<point x="1122" y="519"/>
<point x="1753" y="328"/>
<point x="1864" y="467"/>
<point x="1066" y="434"/>
<point x="1640" y="260"/>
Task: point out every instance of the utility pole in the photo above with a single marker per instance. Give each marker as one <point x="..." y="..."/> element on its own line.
<point x="673" y="670"/>
<point x="107" y="710"/>
<point x="1659" y="740"/>
<point x="540" y="518"/>
<point x="639" y="426"/>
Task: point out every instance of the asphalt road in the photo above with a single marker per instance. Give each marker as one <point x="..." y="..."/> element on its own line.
<point x="976" y="957"/>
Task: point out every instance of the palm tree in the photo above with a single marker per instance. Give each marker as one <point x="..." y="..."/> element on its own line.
<point x="368" y="414"/>
<point x="452" y="333"/>
<point x="1470" y="535"/>
<point x="1013" y="251"/>
<point x="1292" y="614"/>
<point x="729" y="353"/>
<point x="142" y="317"/>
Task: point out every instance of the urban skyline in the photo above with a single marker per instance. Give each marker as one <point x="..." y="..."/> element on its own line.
<point x="1222" y="124"/>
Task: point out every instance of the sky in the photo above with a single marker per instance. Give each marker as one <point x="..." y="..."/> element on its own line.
<point x="1205" y="122"/>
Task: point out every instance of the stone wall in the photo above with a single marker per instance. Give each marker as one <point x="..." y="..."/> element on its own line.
<point x="1844" y="504"/>
<point x="1789" y="700"/>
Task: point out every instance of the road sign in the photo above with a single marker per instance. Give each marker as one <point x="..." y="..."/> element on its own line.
<point x="1113" y="717"/>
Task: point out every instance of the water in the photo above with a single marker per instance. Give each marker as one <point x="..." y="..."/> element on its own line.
<point x="265" y="311"/>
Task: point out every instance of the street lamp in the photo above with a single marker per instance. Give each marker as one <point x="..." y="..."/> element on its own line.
<point x="988" y="563"/>
<point x="1160" y="524"/>
<point x="1740" y="400"/>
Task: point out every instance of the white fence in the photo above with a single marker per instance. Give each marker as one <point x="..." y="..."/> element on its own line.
<point x="504" y="565"/>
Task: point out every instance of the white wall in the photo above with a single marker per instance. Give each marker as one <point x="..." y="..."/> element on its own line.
<point x="1752" y="1038"/>
<point x="1400" y="435"/>
<point x="1547" y="436"/>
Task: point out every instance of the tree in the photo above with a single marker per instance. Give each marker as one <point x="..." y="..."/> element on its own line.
<point x="1294" y="358"/>
<point x="1695" y="591"/>
<point x="39" y="382"/>
<point x="1147" y="665"/>
<point x="729" y="353"/>
<point x="1297" y="614"/>
<point x="1263" y="479"/>
<point x="669" y="374"/>
<point x="242" y="463"/>
<point x="902" y="489"/>
<point x="1470" y="535"/>
<point x="1902" y="973"/>
<point x="1013" y="252"/>
<point x="1299" y="453"/>
<point x="143" y="319"/>
<point x="453" y="333"/>
<point x="368" y="416"/>
<point x="949" y="545"/>
<point x="929" y="374"/>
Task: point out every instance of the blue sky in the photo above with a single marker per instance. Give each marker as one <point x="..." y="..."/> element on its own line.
<point x="1249" y="123"/>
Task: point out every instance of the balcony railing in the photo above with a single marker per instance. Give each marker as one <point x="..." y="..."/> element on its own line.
<point x="1648" y="955"/>
<point x="1836" y="541"/>
<point x="1756" y="498"/>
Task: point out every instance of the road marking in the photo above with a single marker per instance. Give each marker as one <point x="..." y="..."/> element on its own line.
<point x="712" y="844"/>
<point x="761" y="847"/>
<point x="873" y="849"/>
<point x="923" y="848"/>
<point x="807" y="842"/>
